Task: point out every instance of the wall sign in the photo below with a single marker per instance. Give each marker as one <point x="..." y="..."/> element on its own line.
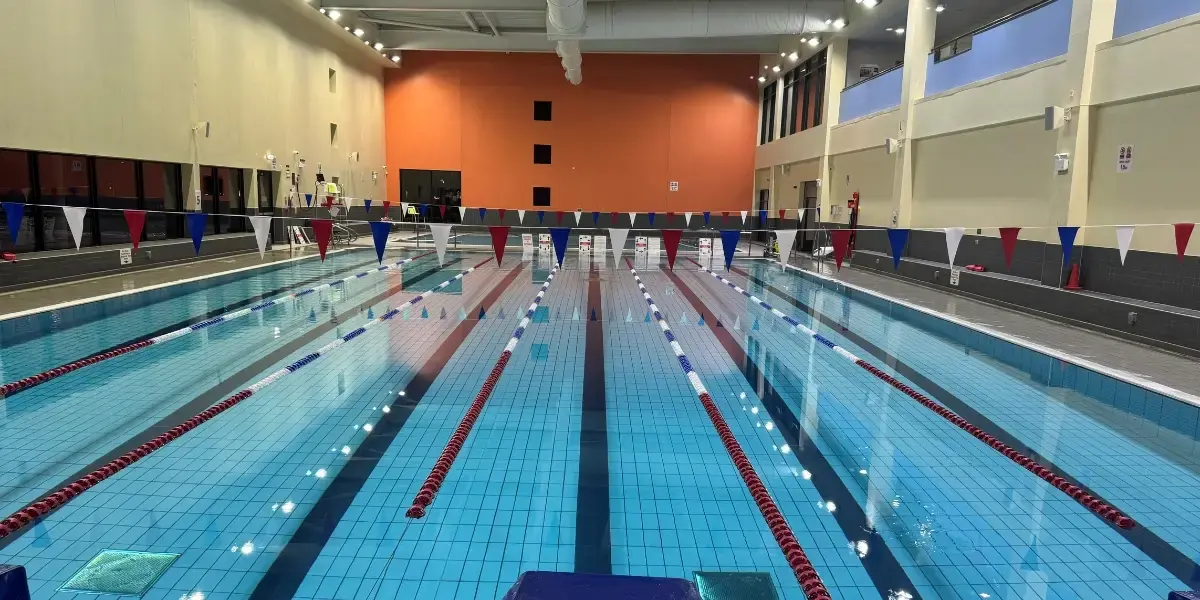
<point x="1125" y="158"/>
<point x="126" y="256"/>
<point x="674" y="186"/>
<point x="954" y="275"/>
<point x="585" y="244"/>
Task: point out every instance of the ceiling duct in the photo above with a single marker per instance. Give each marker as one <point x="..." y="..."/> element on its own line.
<point x="566" y="21"/>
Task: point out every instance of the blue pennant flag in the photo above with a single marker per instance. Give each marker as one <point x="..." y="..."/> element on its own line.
<point x="308" y="199"/>
<point x="367" y="204"/>
<point x="1066" y="235"/>
<point x="729" y="240"/>
<point x="482" y="213"/>
<point x="651" y="217"/>
<point x="541" y="215"/>
<point x="706" y="215"/>
<point x="762" y="219"/>
<point x="559" y="235"/>
<point x="898" y="238"/>
<point x="14" y="211"/>
<point x="196" y="222"/>
<point x="596" y="218"/>
<point x="421" y="208"/>
<point x="380" y="231"/>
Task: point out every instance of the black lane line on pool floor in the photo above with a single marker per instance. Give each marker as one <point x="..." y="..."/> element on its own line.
<point x="881" y="565"/>
<point x="213" y="395"/>
<point x="1158" y="549"/>
<point x="593" y="542"/>
<point x="291" y="565"/>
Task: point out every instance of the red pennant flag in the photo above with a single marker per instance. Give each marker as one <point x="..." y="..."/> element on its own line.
<point x="1183" y="233"/>
<point x="387" y="205"/>
<point x="724" y="217"/>
<point x="560" y="214"/>
<point x="500" y="211"/>
<point x="322" y="230"/>
<point x="499" y="237"/>
<point x="671" y="238"/>
<point x="328" y="201"/>
<point x="781" y="211"/>
<point x="1008" y="239"/>
<point x="442" y="211"/>
<point x="136" y="220"/>
<point x="613" y="216"/>
<point x="841" y="241"/>
<point x="670" y="214"/>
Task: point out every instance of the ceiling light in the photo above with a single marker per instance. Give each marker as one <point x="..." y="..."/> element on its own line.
<point x="888" y="29"/>
<point x="358" y="32"/>
<point x="794" y="57"/>
<point x="395" y="58"/>
<point x="335" y="15"/>
<point x="829" y="21"/>
<point x="379" y="45"/>
<point x="346" y="28"/>
<point x="899" y="31"/>
<point x="814" y="42"/>
<point x="839" y="23"/>
<point x="761" y="79"/>
<point x="940" y="8"/>
<point x="783" y="54"/>
<point x="322" y="11"/>
<point x="775" y="69"/>
<point x="803" y="40"/>
<point x="870" y="3"/>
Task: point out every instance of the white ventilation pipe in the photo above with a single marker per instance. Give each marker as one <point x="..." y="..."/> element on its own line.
<point x="566" y="21"/>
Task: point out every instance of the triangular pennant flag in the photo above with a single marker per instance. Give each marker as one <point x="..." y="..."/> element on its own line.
<point x="670" y="215"/>
<point x="14" y="212"/>
<point x="500" y="212"/>
<point x="612" y="218"/>
<point x="403" y="209"/>
<point x="328" y="201"/>
<point x="521" y="217"/>
<point x="762" y="219"/>
<point x="786" y="239"/>
<point x="706" y="217"/>
<point x="1066" y="235"/>
<point x="387" y="206"/>
<point x="897" y="238"/>
<point x="559" y="236"/>
<point x="729" y="241"/>
<point x="1183" y="233"/>
<point x="379" y="233"/>
<point x="724" y="218"/>
<point x="745" y="213"/>
<point x="482" y="213"/>
<point x="559" y="214"/>
<point x="367" y="204"/>
<point x="441" y="236"/>
<point x="499" y="237"/>
<point x="462" y="214"/>
<point x="308" y="199"/>
<point x="74" y="215"/>
<point x="196" y="222"/>
<point x="334" y="210"/>
<point x="262" y="232"/>
<point x="322" y="230"/>
<point x="422" y="208"/>
<point x="578" y="216"/>
<point x="1008" y="240"/>
<point x="541" y="215"/>
<point x="651" y="217"/>
<point x="1124" y="240"/>
<point x="782" y="211"/>
<point x="632" y="219"/>
<point x="618" y="242"/>
<point x="841" y="241"/>
<point x="687" y="219"/>
<point x="671" y="239"/>
<point x="953" y="237"/>
<point x="595" y="218"/>
<point x="442" y="211"/>
<point x="136" y="220"/>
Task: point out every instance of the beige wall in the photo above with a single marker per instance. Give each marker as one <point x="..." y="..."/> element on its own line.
<point x="130" y="78"/>
<point x="870" y="173"/>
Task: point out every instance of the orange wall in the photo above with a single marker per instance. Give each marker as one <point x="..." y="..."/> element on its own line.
<point x="636" y="123"/>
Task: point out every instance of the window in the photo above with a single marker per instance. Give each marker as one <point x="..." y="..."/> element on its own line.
<point x="116" y="187"/>
<point x="333" y="136"/>
<point x="541" y="196"/>
<point x="766" y="131"/>
<point x="221" y="196"/>
<point x="541" y="154"/>
<point x="790" y="98"/>
<point x="162" y="186"/>
<point x="804" y="95"/>
<point x="954" y="48"/>
<point x="332" y="81"/>
<point x="15" y="187"/>
<point x="541" y="110"/>
<point x="65" y="180"/>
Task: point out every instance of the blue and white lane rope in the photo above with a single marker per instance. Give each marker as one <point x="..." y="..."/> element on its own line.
<point x="42" y="507"/>
<point x="810" y="581"/>
<point x="437" y="476"/>
<point x="8" y="389"/>
<point x="1101" y="508"/>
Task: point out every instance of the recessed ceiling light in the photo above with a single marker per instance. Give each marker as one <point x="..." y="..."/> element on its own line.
<point x="395" y="58"/>
<point x="899" y="31"/>
<point x="940" y="8"/>
<point x="839" y="23"/>
<point x="870" y="3"/>
<point x="775" y="69"/>
<point x="322" y="11"/>
<point x="335" y="15"/>
<point x="814" y="42"/>
<point x="794" y="56"/>
<point x="766" y="66"/>
<point x="888" y="29"/>
<point x="761" y="79"/>
<point x="782" y="54"/>
<point x="358" y="32"/>
<point x="803" y="40"/>
<point x="829" y="21"/>
<point x="379" y="45"/>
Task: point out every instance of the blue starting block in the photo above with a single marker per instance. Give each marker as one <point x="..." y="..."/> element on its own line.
<point x="546" y="585"/>
<point x="13" y="585"/>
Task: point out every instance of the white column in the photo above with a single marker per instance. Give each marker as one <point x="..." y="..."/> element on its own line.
<point x="835" y="82"/>
<point x="918" y="43"/>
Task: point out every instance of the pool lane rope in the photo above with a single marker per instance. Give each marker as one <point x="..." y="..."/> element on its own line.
<point x="35" y="380"/>
<point x="1101" y="508"/>
<point x="44" y="506"/>
<point x="810" y="581"/>
<point x="445" y="461"/>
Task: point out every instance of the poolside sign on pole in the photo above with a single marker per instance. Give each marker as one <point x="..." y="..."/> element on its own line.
<point x="526" y="244"/>
<point x="599" y="246"/>
<point x="544" y="242"/>
<point x="585" y="244"/>
<point x="706" y="252"/>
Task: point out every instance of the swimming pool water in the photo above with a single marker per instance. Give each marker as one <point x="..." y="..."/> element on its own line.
<point x="591" y="454"/>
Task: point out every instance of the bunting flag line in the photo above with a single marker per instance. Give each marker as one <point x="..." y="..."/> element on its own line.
<point x="442" y="211"/>
<point x="308" y="200"/>
<point x="724" y="217"/>
<point x="687" y="219"/>
<point x="422" y="209"/>
<point x="745" y="213"/>
<point x="651" y="217"/>
<point x="1066" y="235"/>
<point x="521" y="216"/>
<point x="954" y="235"/>
<point x="500" y="213"/>
<point x="334" y="210"/>
<point x="559" y="214"/>
<point x="618" y="237"/>
<point x="632" y="219"/>
<point x="323" y="231"/>
<point x="441" y="236"/>
<point x="595" y="218"/>
<point x="613" y="216"/>
<point x="578" y="216"/>
<point x="74" y="215"/>
<point x="367" y="204"/>
<point x="482" y="213"/>
<point x="1008" y="239"/>
<point x="328" y="201"/>
<point x="14" y="212"/>
<point x="841" y="241"/>
<point x="898" y="238"/>
<point x="387" y="206"/>
<point x="762" y="218"/>
<point x="786" y="239"/>
<point x="782" y="211"/>
<point x="729" y="242"/>
<point x="196" y="223"/>
<point x="379" y="234"/>
<point x="403" y="209"/>
<point x="671" y="239"/>
<point x="559" y="236"/>
<point x="136" y="220"/>
<point x="541" y="215"/>
<point x="1183" y="233"/>
<point x="462" y="214"/>
<point x="499" y="237"/>
<point x="262" y="232"/>
<point x="1124" y="240"/>
<point x="706" y="216"/>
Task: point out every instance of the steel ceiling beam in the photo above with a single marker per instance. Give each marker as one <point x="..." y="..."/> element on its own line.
<point x="421" y="26"/>
<point x="488" y="18"/>
<point x="470" y="21"/>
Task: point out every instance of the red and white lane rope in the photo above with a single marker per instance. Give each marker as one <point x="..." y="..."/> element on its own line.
<point x="8" y="389"/>
<point x="42" y="507"/>
<point x="810" y="581"/>
<point x="437" y="476"/>
<point x="1105" y="510"/>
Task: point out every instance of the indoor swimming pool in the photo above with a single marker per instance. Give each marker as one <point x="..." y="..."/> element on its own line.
<point x="590" y="418"/>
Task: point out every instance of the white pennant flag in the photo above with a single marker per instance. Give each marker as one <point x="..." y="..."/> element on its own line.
<point x="618" y="242"/>
<point x="632" y="219"/>
<point x="334" y="210"/>
<point x="687" y="219"/>
<point x="786" y="239"/>
<point x="953" y="237"/>
<point x="262" y="231"/>
<point x="578" y="216"/>
<point x="462" y="213"/>
<point x="1124" y="239"/>
<point x="74" y="216"/>
<point x="521" y="216"/>
<point x="441" y="235"/>
<point x="744" y="213"/>
<point x="403" y="210"/>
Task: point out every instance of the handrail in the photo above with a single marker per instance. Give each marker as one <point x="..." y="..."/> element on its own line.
<point x="875" y="76"/>
<point x="994" y="24"/>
